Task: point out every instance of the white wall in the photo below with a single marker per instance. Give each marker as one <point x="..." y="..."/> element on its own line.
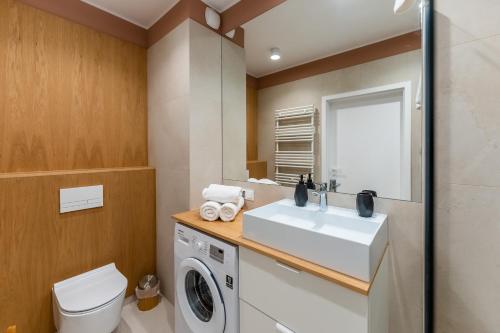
<point x="184" y="119"/>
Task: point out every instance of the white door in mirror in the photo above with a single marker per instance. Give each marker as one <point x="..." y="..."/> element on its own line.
<point x="80" y="198"/>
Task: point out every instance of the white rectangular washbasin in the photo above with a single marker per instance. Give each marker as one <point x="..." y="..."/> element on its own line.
<point x="337" y="239"/>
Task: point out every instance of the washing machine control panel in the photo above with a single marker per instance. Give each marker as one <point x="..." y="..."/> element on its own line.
<point x="199" y="245"/>
<point x="207" y="249"/>
<point x="194" y="243"/>
<point x="217" y="253"/>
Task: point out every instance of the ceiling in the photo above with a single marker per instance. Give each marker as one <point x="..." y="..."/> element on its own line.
<point x="220" y="5"/>
<point x="306" y="32"/>
<point x="145" y="13"/>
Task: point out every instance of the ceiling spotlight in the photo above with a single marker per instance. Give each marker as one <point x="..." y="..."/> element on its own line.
<point x="275" y="54"/>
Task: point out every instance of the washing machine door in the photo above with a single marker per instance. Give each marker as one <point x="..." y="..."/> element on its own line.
<point x="199" y="297"/>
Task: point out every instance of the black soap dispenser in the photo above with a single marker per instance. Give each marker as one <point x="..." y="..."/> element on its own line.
<point x="310" y="184"/>
<point x="364" y="203"/>
<point x="301" y="193"/>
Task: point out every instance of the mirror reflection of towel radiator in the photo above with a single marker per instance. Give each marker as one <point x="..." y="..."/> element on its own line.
<point x="294" y="143"/>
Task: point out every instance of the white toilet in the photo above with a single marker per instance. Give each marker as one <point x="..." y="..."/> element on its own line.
<point x="90" y="302"/>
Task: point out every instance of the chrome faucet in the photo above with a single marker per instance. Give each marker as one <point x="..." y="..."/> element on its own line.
<point x="334" y="185"/>
<point x="323" y="196"/>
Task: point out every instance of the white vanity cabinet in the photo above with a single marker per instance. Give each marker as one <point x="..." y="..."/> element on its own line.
<point x="276" y="298"/>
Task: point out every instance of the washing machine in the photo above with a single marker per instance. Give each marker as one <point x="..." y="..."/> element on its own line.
<point x="206" y="283"/>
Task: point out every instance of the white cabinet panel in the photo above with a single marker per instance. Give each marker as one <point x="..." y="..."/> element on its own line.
<point x="298" y="300"/>
<point x="252" y="320"/>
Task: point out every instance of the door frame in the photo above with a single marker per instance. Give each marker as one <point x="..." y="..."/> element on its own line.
<point x="327" y="103"/>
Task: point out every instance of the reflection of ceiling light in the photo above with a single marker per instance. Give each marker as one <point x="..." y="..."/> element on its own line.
<point x="275" y="54"/>
<point x="401" y="6"/>
<point x="231" y="34"/>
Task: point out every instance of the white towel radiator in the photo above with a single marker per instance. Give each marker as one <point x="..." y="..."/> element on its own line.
<point x="294" y="143"/>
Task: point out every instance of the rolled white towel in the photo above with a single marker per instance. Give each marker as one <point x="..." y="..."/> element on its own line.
<point x="228" y="211"/>
<point x="210" y="210"/>
<point x="222" y="193"/>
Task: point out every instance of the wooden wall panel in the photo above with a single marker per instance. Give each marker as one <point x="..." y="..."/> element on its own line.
<point x="72" y="98"/>
<point x="251" y="118"/>
<point x="257" y="169"/>
<point x="39" y="246"/>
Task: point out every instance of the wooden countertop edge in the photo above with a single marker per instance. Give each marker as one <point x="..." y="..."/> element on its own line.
<point x="232" y="233"/>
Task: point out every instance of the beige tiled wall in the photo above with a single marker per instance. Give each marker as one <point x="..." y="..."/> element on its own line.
<point x="168" y="140"/>
<point x="406" y="250"/>
<point x="205" y="111"/>
<point x="234" y="110"/>
<point x="468" y="166"/>
<point x="184" y="112"/>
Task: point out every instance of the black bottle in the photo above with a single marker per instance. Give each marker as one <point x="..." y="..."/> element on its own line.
<point x="301" y="193"/>
<point x="364" y="203"/>
<point x="310" y="183"/>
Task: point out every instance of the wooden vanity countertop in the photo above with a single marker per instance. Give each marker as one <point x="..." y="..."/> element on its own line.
<point x="232" y="232"/>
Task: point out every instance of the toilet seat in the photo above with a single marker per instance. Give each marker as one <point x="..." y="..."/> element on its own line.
<point x="90" y="302"/>
<point x="89" y="312"/>
<point x="90" y="290"/>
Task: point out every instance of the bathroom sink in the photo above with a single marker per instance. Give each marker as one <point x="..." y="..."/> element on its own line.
<point x="337" y="239"/>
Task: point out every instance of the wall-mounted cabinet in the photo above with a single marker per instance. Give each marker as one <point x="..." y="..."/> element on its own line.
<point x="277" y="298"/>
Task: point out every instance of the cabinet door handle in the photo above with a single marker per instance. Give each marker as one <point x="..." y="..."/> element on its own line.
<point x="288" y="268"/>
<point x="283" y="329"/>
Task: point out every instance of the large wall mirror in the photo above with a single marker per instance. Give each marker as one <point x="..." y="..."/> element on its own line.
<point x="327" y="88"/>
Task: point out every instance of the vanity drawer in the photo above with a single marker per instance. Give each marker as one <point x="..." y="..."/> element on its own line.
<point x="300" y="301"/>
<point x="252" y="320"/>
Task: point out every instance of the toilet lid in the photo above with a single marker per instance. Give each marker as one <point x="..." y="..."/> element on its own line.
<point x="90" y="290"/>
